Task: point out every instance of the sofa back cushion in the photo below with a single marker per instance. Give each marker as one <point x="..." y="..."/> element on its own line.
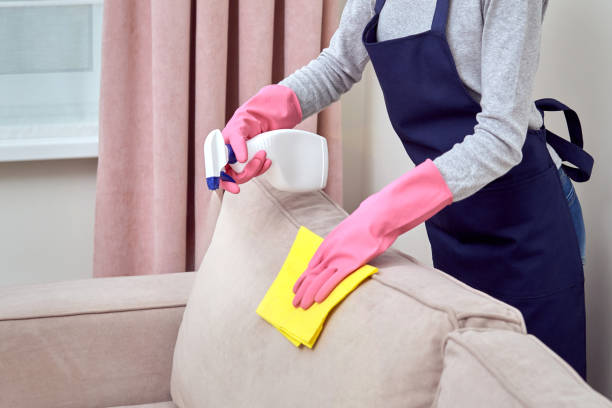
<point x="511" y="369"/>
<point x="381" y="346"/>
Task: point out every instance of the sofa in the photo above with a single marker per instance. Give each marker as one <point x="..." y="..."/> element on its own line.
<point x="409" y="336"/>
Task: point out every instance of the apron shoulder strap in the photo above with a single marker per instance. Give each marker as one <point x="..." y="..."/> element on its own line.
<point x="440" y="17"/>
<point x="571" y="152"/>
<point x="378" y="6"/>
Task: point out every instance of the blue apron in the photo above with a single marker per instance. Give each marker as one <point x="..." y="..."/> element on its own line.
<point x="513" y="239"/>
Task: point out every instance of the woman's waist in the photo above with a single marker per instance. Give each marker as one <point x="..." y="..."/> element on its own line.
<point x="537" y="157"/>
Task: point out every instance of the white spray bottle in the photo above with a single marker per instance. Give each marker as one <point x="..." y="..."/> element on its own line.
<point x="299" y="159"/>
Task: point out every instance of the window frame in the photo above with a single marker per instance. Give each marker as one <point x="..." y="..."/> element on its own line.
<point x="61" y="141"/>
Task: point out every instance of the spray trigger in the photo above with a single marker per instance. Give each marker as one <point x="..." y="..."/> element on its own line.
<point x="226" y="177"/>
<point x="231" y="156"/>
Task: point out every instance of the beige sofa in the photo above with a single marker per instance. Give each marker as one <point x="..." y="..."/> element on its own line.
<point x="409" y="336"/>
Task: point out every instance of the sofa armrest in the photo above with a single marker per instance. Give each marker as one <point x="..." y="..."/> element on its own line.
<point x="90" y="343"/>
<point x="488" y="367"/>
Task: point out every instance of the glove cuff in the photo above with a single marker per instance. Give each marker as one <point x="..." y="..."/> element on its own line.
<point x="282" y="92"/>
<point x="410" y="200"/>
<point x="273" y="107"/>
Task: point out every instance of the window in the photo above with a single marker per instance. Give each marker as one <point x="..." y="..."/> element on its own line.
<point x="49" y="78"/>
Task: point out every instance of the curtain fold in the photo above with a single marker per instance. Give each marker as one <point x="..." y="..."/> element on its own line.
<point x="172" y="70"/>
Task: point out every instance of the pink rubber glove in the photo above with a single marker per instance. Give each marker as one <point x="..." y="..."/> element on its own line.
<point x="371" y="229"/>
<point x="256" y="166"/>
<point x="273" y="107"/>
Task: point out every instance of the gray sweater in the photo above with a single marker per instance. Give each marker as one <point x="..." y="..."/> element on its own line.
<point x="496" y="47"/>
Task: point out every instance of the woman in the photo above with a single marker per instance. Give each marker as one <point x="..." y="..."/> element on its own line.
<point x="457" y="80"/>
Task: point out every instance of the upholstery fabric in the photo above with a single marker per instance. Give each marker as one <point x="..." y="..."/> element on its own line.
<point x="90" y="343"/>
<point x="485" y="367"/>
<point x="388" y="335"/>
<point x="102" y="296"/>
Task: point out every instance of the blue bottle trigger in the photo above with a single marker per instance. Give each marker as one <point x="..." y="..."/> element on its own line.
<point x="226" y="177"/>
<point x="231" y="159"/>
<point x="213" y="182"/>
<point x="231" y="155"/>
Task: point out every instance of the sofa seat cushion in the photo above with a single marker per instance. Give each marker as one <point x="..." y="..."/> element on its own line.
<point x="92" y="342"/>
<point x="511" y="369"/>
<point x="381" y="345"/>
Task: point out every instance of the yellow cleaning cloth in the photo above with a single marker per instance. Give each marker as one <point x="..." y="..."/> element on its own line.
<point x="298" y="325"/>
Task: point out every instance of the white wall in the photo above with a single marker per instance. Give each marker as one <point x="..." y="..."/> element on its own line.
<point x="575" y="67"/>
<point x="46" y="220"/>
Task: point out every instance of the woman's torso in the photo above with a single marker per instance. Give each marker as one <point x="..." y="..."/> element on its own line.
<point x="465" y="29"/>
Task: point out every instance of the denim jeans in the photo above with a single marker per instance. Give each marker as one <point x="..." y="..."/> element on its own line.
<point x="575" y="211"/>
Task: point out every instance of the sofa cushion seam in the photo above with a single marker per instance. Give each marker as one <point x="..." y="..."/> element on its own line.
<point x="338" y="207"/>
<point x="92" y="312"/>
<point x="449" y="312"/>
<point x="465" y="288"/>
<point x="500" y="378"/>
<point x="456" y="317"/>
<point x="491" y="316"/>
<point x="446" y="277"/>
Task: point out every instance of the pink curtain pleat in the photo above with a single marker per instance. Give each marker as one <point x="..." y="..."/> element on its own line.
<point x="171" y="72"/>
<point x="210" y="67"/>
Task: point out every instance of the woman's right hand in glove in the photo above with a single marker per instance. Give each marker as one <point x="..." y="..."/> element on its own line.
<point x="255" y="167"/>
<point x="273" y="107"/>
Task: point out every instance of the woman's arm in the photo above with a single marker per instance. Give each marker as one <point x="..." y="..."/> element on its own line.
<point x="510" y="56"/>
<point x="339" y="66"/>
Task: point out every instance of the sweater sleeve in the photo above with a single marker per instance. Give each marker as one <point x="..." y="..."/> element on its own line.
<point x="339" y="66"/>
<point x="510" y="55"/>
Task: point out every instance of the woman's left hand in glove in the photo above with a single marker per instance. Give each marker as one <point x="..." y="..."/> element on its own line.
<point x="371" y="229"/>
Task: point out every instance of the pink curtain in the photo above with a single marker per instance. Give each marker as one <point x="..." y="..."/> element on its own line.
<point x="172" y="70"/>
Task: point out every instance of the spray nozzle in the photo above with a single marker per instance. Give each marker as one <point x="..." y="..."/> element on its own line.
<point x="216" y="155"/>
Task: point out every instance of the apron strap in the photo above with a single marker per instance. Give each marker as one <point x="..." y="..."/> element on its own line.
<point x="378" y="6"/>
<point x="440" y="17"/>
<point x="571" y="152"/>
